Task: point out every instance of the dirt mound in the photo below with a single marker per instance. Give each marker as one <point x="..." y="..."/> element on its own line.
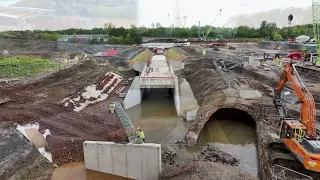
<point x="39" y="102"/>
<point x="93" y="93"/>
<point x="205" y="170"/>
<point x="203" y="78"/>
<point x="17" y="47"/>
<point x="18" y="152"/>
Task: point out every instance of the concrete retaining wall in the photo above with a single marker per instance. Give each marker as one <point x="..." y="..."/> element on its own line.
<point x="176" y="96"/>
<point x="134" y="161"/>
<point x="134" y="94"/>
<point x="138" y="66"/>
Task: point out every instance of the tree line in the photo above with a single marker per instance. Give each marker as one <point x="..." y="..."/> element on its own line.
<point x="120" y="35"/>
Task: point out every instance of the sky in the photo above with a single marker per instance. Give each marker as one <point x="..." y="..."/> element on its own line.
<point x="206" y="10"/>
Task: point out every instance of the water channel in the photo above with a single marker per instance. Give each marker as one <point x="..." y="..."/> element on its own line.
<point x="235" y="135"/>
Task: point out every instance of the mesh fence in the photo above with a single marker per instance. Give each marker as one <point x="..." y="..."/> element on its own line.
<point x="283" y="173"/>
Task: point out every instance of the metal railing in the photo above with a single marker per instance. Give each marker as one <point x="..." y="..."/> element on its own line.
<point x="283" y="173"/>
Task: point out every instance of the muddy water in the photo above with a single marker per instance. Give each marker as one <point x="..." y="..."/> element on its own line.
<point x="236" y="138"/>
<point x="156" y="116"/>
<point x="72" y="171"/>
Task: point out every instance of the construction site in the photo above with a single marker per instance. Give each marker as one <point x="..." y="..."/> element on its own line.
<point x="166" y="109"/>
<point x="213" y="115"/>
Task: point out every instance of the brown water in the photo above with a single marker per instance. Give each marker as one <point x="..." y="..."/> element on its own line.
<point x="227" y="132"/>
<point x="236" y="138"/>
<point x="156" y="115"/>
<point x="72" y="171"/>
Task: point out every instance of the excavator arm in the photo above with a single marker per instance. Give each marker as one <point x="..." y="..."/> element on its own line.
<point x="308" y="114"/>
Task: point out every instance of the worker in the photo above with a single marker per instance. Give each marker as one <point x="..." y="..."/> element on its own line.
<point x="140" y="134"/>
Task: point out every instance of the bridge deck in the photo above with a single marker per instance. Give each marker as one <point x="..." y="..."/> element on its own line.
<point x="157" y="74"/>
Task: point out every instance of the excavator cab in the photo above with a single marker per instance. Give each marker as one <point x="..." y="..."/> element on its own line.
<point x="292" y="129"/>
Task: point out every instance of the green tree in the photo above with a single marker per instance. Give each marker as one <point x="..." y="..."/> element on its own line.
<point x="243" y="31"/>
<point x="128" y="39"/>
<point x="277" y="37"/>
<point x="271" y="29"/>
<point x="263" y="31"/>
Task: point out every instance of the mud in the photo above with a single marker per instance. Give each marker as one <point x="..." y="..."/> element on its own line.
<point x="205" y="170"/>
<point x="40" y="102"/>
<point x="212" y="154"/>
<point x="19" y="158"/>
<point x="212" y="93"/>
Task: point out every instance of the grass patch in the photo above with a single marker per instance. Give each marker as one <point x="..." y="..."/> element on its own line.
<point x="22" y="66"/>
<point x="141" y="57"/>
<point x="173" y="55"/>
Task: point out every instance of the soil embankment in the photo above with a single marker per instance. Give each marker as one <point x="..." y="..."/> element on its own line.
<point x="211" y="89"/>
<point x="41" y="101"/>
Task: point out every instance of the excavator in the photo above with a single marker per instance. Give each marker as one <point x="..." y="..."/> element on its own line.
<point x="298" y="136"/>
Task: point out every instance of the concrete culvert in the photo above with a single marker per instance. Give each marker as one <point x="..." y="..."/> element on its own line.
<point x="232" y="131"/>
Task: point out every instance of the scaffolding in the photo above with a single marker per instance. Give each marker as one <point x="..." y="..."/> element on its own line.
<point x="283" y="173"/>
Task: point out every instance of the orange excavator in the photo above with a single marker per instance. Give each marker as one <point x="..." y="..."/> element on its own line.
<point x="299" y="136"/>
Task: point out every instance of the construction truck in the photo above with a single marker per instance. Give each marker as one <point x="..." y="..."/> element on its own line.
<point x="298" y="136"/>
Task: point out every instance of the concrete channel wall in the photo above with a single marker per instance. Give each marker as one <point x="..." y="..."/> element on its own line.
<point x="134" y="94"/>
<point x="134" y="161"/>
<point x="176" y="96"/>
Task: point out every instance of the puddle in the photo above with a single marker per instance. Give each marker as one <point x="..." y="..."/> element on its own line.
<point x="72" y="171"/>
<point x="156" y="116"/>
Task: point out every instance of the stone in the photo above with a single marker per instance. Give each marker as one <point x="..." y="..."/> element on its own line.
<point x="5" y="53"/>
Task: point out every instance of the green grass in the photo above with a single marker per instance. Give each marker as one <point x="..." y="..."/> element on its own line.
<point x="22" y="66"/>
<point x="143" y="56"/>
<point x="173" y="55"/>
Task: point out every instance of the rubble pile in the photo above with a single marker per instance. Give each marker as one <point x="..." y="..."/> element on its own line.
<point x="211" y="154"/>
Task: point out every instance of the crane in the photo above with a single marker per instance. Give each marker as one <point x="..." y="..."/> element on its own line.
<point x="299" y="136"/>
<point x="199" y="32"/>
<point x="316" y="29"/>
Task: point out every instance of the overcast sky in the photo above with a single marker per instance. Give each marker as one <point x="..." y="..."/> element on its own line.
<point x="206" y="10"/>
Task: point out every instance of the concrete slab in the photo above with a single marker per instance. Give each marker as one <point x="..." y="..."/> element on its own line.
<point x="105" y="162"/>
<point x="90" y="152"/>
<point x="134" y="166"/>
<point x="36" y="138"/>
<point x="119" y="159"/>
<point x="134" y="161"/>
